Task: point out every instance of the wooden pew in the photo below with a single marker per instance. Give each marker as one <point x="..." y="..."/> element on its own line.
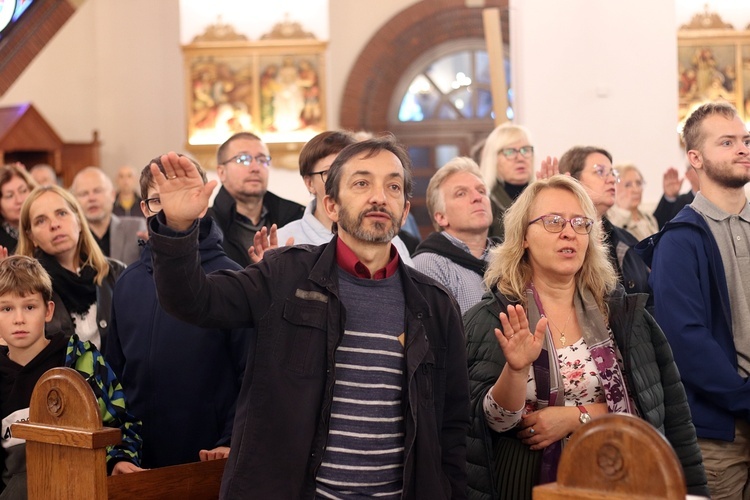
<point x="616" y="457"/>
<point x="65" y="456"/>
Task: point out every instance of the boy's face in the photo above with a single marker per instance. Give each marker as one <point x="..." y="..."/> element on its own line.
<point x="22" y="321"/>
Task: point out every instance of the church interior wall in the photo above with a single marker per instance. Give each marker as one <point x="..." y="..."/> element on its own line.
<point x="586" y="71"/>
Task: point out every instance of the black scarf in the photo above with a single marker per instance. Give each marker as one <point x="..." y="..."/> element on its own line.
<point x="77" y="291"/>
<point x="439" y="244"/>
<point x="514" y="190"/>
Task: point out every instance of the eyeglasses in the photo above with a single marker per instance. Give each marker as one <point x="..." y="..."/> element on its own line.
<point x="605" y="172"/>
<point x="323" y="174"/>
<point x="243" y="159"/>
<point x="631" y="184"/>
<point x="556" y="223"/>
<point x="526" y="151"/>
<point x="153" y="205"/>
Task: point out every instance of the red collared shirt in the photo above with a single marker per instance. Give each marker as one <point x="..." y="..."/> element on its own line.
<point x="350" y="263"/>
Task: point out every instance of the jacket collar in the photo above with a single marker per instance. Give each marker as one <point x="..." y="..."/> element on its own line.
<point x="325" y="274"/>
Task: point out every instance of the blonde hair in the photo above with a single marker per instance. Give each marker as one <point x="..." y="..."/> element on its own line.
<point x="498" y="139"/>
<point x="87" y="245"/>
<point x="435" y="198"/>
<point x="509" y="269"/>
<point x="628" y="167"/>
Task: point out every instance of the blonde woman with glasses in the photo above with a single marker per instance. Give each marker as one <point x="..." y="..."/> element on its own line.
<point x="507" y="166"/>
<point x="558" y="343"/>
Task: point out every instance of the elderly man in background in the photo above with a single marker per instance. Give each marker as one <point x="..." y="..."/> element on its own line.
<point x="117" y="236"/>
<point x="456" y="255"/>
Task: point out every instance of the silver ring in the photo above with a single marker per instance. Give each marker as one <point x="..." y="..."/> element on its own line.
<point x="171" y="178"/>
<point x="531" y="430"/>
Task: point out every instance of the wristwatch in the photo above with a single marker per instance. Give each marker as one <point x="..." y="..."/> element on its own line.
<point x="585" y="417"/>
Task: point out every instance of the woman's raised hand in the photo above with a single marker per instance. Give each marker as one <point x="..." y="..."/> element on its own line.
<point x="183" y="195"/>
<point x="520" y="346"/>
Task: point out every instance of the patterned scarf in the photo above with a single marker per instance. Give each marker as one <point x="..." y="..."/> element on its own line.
<point x="547" y="375"/>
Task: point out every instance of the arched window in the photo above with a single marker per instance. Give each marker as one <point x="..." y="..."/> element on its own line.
<point x="454" y="87"/>
<point x="441" y="108"/>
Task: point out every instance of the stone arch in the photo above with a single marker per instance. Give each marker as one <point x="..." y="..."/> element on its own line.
<point x="390" y="52"/>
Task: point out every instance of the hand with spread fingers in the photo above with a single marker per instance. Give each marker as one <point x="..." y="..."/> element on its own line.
<point x="265" y="240"/>
<point x="183" y="195"/>
<point x="672" y="183"/>
<point x="519" y="345"/>
<point x="548" y="168"/>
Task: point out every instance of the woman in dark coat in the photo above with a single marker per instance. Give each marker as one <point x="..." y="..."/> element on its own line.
<point x="54" y="230"/>
<point x="558" y="343"/>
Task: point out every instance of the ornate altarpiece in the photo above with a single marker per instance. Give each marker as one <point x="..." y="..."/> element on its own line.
<point x="273" y="87"/>
<point x="713" y="64"/>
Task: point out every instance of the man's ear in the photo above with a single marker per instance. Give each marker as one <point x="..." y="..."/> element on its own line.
<point x="441" y="219"/>
<point x="331" y="208"/>
<point x="695" y="158"/>
<point x="407" y="208"/>
<point x="50" y="311"/>
<point x="221" y="172"/>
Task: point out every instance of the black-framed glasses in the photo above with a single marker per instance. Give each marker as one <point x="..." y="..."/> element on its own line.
<point x="323" y="174"/>
<point x="526" y="151"/>
<point x="604" y="172"/>
<point x="556" y="223"/>
<point x="153" y="205"/>
<point x="247" y="160"/>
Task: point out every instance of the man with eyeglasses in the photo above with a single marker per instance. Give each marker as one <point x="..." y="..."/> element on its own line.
<point x="592" y="167"/>
<point x="117" y="236"/>
<point x="244" y="205"/>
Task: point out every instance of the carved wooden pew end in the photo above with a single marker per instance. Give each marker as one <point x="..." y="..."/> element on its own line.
<point x="616" y="456"/>
<point x="65" y="456"/>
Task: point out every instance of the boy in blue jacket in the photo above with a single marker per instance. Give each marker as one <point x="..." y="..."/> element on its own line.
<point x="182" y="380"/>
<point x="25" y="306"/>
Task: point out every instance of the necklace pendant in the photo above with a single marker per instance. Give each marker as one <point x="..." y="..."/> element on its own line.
<point x="562" y="340"/>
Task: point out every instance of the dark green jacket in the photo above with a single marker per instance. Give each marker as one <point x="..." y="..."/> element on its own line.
<point x="652" y="378"/>
<point x="500" y="201"/>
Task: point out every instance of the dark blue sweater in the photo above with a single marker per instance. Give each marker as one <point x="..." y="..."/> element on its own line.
<point x="180" y="379"/>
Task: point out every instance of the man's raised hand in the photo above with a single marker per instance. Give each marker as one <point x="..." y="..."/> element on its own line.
<point x="183" y="195"/>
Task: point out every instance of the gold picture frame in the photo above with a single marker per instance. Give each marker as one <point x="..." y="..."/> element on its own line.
<point x="713" y="64"/>
<point x="273" y="87"/>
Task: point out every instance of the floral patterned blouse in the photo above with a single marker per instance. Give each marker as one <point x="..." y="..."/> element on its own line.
<point x="580" y="380"/>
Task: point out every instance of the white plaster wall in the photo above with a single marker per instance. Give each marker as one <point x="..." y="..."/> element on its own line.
<point x="607" y="67"/>
<point x="61" y="82"/>
<point x="252" y="18"/>
<point x="116" y="67"/>
<point x="353" y="23"/>
<point x="605" y="76"/>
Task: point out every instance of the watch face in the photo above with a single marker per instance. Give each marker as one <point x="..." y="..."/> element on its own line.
<point x="585" y="418"/>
